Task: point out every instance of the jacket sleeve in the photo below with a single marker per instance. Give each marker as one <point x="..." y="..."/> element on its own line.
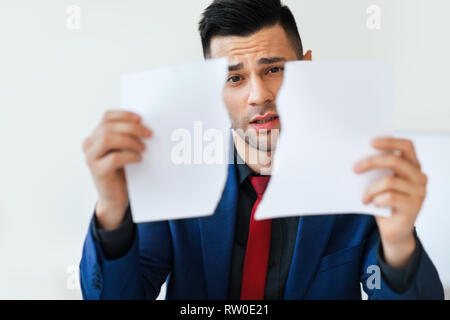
<point x="425" y="282"/>
<point x="139" y="274"/>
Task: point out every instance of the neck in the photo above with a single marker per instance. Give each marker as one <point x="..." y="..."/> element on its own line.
<point x="258" y="161"/>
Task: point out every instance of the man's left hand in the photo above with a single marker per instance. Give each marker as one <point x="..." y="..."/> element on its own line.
<point x="404" y="192"/>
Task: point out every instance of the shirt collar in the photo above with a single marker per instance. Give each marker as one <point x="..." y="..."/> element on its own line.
<point x="243" y="170"/>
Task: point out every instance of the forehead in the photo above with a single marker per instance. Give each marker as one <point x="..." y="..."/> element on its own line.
<point x="271" y="41"/>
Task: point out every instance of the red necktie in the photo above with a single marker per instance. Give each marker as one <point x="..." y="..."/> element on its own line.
<point x="258" y="246"/>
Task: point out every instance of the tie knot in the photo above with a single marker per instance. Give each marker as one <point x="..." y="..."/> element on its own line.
<point x="259" y="184"/>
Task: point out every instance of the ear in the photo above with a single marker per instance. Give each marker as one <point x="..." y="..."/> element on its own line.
<point x="307" y="56"/>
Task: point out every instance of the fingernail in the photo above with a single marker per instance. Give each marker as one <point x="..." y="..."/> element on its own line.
<point x="358" y="166"/>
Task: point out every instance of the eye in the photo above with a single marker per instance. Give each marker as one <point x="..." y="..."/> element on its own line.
<point x="275" y="69"/>
<point x="234" y="79"/>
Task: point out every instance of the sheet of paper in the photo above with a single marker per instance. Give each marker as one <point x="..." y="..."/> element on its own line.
<point x="184" y="167"/>
<point x="329" y="113"/>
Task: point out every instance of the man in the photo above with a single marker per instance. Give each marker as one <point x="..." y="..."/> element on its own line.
<point x="229" y="255"/>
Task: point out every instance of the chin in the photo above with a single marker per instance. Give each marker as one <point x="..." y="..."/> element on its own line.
<point x="264" y="144"/>
<point x="268" y="141"/>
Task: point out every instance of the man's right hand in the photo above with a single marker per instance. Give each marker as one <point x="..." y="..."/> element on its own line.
<point x="113" y="144"/>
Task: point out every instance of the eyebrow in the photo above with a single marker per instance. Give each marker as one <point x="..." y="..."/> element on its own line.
<point x="262" y="61"/>
<point x="235" y="67"/>
<point x="270" y="60"/>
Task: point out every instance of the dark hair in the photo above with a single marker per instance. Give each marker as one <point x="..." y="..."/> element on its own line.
<point x="245" y="17"/>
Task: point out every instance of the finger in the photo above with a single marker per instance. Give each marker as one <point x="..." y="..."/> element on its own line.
<point x="392" y="200"/>
<point x="392" y="183"/>
<point x="121" y="115"/>
<point x="133" y="129"/>
<point x="307" y="56"/>
<point x="397" y="163"/>
<point x="116" y="160"/>
<point x="405" y="146"/>
<point x="111" y="142"/>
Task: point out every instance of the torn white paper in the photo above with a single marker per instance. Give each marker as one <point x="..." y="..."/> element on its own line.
<point x="329" y="112"/>
<point x="184" y="167"/>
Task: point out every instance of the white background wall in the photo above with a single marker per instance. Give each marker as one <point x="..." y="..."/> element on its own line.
<point x="55" y="83"/>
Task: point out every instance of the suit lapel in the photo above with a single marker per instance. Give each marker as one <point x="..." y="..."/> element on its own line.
<point x="217" y="237"/>
<point x="312" y="237"/>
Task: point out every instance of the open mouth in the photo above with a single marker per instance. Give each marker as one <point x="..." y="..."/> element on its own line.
<point x="266" y="122"/>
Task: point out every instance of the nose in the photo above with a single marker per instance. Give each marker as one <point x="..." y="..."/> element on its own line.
<point x="259" y="94"/>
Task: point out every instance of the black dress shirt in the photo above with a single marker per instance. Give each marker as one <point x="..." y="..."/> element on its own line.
<point x="116" y="244"/>
<point x="284" y="233"/>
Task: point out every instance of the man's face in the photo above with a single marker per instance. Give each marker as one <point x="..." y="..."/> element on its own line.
<point x="255" y="76"/>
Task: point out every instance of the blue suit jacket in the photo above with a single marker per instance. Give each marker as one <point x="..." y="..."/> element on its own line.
<point x="332" y="256"/>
